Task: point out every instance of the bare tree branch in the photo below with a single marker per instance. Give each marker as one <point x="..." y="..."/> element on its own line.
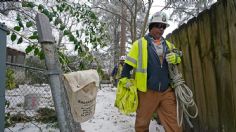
<point x="150" y="2"/>
<point x="113" y="13"/>
<point x="128" y="7"/>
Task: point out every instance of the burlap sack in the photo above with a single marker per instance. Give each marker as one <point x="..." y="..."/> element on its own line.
<point x="81" y="87"/>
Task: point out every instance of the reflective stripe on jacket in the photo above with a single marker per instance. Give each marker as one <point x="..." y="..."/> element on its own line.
<point x="138" y="58"/>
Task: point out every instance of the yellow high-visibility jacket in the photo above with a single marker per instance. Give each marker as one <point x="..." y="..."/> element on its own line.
<point x="119" y="70"/>
<point x="138" y="58"/>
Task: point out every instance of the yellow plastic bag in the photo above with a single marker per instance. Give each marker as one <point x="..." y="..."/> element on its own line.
<point x="126" y="97"/>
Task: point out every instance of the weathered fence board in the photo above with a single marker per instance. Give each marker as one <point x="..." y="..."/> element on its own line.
<point x="187" y="70"/>
<point x="223" y="70"/>
<point x="231" y="19"/>
<point x="208" y="71"/>
<point x="197" y="72"/>
<point x="186" y="61"/>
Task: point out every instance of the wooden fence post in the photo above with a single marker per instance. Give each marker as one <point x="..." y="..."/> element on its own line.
<point x="64" y="116"/>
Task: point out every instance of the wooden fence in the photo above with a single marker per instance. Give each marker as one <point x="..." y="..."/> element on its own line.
<point x="209" y="65"/>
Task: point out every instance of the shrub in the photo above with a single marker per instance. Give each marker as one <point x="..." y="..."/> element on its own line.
<point x="46" y="115"/>
<point x="10" y="82"/>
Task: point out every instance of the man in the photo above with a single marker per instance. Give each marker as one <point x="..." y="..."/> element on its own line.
<point x="116" y="72"/>
<point x="150" y="57"/>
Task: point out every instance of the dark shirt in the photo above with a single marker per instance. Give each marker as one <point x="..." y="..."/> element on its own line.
<point x="114" y="71"/>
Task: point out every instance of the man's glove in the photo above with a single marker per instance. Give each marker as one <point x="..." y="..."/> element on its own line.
<point x="127" y="83"/>
<point x="173" y="58"/>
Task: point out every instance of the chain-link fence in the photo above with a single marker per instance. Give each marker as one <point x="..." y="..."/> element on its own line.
<point x="27" y="92"/>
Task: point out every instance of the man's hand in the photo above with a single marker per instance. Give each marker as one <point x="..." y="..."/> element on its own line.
<point x="126" y="82"/>
<point x="173" y="58"/>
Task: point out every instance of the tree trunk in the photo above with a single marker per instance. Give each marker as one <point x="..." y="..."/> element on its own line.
<point x="123" y="30"/>
<point x="116" y="41"/>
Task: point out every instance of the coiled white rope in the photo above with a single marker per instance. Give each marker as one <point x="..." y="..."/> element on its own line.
<point x="184" y="96"/>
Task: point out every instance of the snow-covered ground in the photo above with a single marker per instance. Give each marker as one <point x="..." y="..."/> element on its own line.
<point x="107" y="118"/>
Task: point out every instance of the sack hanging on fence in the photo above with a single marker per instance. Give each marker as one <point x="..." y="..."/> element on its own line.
<point x="81" y="87"/>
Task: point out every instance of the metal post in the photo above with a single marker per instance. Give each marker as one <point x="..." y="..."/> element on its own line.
<point x="3" y="34"/>
<point x="64" y="116"/>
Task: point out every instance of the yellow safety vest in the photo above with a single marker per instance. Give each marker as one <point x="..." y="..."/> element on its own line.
<point x="119" y="70"/>
<point x="137" y="58"/>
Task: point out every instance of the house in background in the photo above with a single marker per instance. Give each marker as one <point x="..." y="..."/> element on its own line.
<point x="14" y="58"/>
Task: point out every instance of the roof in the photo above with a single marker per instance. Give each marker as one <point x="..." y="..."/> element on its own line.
<point x="15" y="50"/>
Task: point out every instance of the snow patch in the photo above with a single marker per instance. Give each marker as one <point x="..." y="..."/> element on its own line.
<point x="107" y="118"/>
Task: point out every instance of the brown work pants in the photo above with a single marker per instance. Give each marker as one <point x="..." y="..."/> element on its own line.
<point x="163" y="103"/>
